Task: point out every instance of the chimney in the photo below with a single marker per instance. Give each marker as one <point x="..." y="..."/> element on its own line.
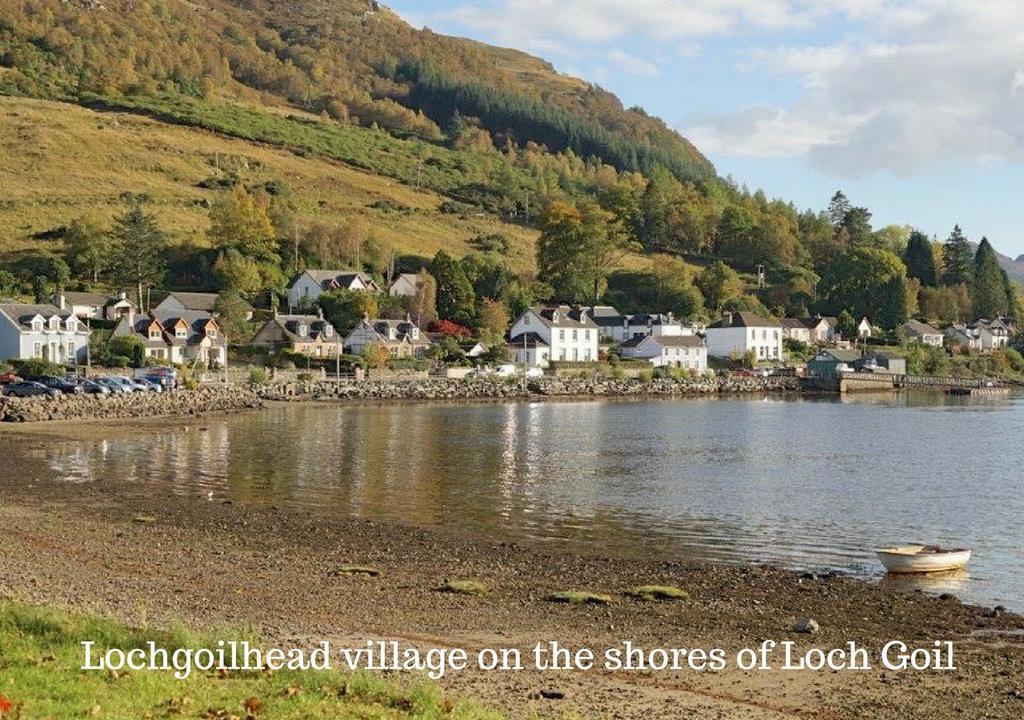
<point x="320" y="313"/>
<point x="61" y="301"/>
<point x="123" y="295"/>
<point x="727" y="318"/>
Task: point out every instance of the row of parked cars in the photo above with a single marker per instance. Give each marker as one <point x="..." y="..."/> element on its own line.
<point x="47" y="386"/>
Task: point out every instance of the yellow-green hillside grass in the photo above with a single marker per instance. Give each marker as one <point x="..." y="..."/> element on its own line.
<point x="657" y="592"/>
<point x="41" y="656"/>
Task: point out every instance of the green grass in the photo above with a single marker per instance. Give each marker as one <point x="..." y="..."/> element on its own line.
<point x="41" y="656"/>
<point x="580" y="597"/>
<point x="465" y="587"/>
<point x="657" y="592"/>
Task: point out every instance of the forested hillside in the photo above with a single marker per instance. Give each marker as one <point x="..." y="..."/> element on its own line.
<point x="437" y="144"/>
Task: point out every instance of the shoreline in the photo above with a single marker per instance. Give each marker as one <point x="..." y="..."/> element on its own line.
<point x="220" y="563"/>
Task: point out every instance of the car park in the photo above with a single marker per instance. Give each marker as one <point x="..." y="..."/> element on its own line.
<point x="93" y="387"/>
<point x="66" y="386"/>
<point x="114" y="385"/>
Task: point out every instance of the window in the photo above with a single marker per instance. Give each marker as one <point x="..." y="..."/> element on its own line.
<point x="561" y="334"/>
<point x="154" y="333"/>
<point x="37" y="325"/>
<point x="71" y="351"/>
<point x="180" y="332"/>
<point x="55" y="323"/>
<point x="37" y="350"/>
<point x="575" y="335"/>
<point x="71" y="325"/>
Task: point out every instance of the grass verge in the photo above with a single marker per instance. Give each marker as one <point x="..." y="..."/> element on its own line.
<point x="40" y="677"/>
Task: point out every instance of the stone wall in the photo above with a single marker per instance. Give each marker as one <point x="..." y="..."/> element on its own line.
<point x="482" y="388"/>
<point x="136" y="405"/>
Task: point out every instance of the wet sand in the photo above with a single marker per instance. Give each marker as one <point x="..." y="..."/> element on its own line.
<point x="210" y="564"/>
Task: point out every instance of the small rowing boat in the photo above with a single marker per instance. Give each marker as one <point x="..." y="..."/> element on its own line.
<point x="923" y="559"/>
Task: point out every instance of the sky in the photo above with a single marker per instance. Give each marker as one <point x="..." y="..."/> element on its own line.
<point x="914" y="108"/>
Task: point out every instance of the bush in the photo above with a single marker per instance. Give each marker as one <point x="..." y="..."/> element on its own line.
<point x="646" y="376"/>
<point x="37" y="366"/>
<point x="257" y="375"/>
<point x="305" y="377"/>
<point x="1014" y="358"/>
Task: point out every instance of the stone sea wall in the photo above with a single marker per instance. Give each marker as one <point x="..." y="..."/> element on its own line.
<point x="136" y="405"/>
<point x="483" y="388"/>
<point x="241" y="397"/>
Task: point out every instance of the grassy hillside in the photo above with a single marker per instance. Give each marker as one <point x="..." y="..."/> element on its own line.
<point x="59" y="162"/>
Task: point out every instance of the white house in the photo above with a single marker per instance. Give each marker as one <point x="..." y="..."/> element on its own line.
<point x="42" y="331"/>
<point x="402" y="338"/>
<point x="191" y="338"/>
<point x="923" y="333"/>
<point x="688" y="352"/>
<point x="541" y="336"/>
<point x="796" y="330"/>
<point x="981" y="335"/>
<point x="738" y="333"/>
<point x="405" y="285"/>
<point x="864" y="329"/>
<point x="180" y="302"/>
<point x="311" y="284"/>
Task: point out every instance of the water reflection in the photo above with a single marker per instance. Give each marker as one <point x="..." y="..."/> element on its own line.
<point x="810" y="483"/>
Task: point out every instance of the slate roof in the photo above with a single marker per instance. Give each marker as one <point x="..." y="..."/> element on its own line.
<point x="564" y="316"/>
<point x="842" y="356"/>
<point x="530" y="339"/>
<point x="199" y="302"/>
<point x="605" y="316"/>
<point x="315" y="326"/>
<point x="919" y="328"/>
<point x="21" y="314"/>
<point x="743" y="319"/>
<point x="342" y="278"/>
<point x="85" y="298"/>
<point x="674" y="341"/>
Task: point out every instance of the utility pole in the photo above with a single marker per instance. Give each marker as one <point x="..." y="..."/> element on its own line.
<point x="527" y="194"/>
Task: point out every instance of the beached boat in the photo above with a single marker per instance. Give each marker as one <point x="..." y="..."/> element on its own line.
<point x="923" y="559"/>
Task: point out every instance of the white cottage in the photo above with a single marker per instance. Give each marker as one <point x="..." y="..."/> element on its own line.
<point x="738" y="333"/>
<point x="311" y="284"/>
<point x="405" y="285"/>
<point x="541" y="336"/>
<point x="192" y="338"/>
<point x="402" y="338"/>
<point x="44" y="332"/>
<point x="687" y="352"/>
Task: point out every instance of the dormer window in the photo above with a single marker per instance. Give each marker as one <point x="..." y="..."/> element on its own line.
<point x="211" y="332"/>
<point x="303" y="330"/>
<point x="181" y="332"/>
<point x="526" y="320"/>
<point x="37" y="324"/>
<point x="55" y="323"/>
<point x="328" y="331"/>
<point x="71" y="324"/>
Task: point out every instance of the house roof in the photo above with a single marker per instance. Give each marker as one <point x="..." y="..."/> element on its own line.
<point x="199" y="302"/>
<point x="530" y="339"/>
<point x="84" y="298"/>
<point x="793" y="323"/>
<point x="843" y="356"/>
<point x="605" y="316"/>
<point x="920" y="328"/>
<point x="678" y="341"/>
<point x="743" y="319"/>
<point x="195" y="321"/>
<point x="340" y="278"/>
<point x="564" y="316"/>
<point x="408" y="277"/>
<point x="21" y="314"/>
<point x="403" y="330"/>
<point x="315" y="327"/>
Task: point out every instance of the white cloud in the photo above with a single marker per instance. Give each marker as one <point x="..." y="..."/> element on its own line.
<point x="930" y="80"/>
<point x="632" y="64"/>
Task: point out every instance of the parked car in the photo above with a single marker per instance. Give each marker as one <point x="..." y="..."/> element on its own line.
<point x="8" y="378"/>
<point x="534" y="372"/>
<point x="149" y="385"/>
<point x="165" y="377"/>
<point x="67" y="387"/>
<point x="93" y="387"/>
<point x="507" y="370"/>
<point x="29" y="389"/>
<point x="114" y="384"/>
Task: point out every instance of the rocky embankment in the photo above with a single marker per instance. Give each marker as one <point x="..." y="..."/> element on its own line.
<point x="499" y="388"/>
<point x="238" y="397"/>
<point x="137" y="405"/>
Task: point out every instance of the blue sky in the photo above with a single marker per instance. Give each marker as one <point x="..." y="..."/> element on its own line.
<point x="915" y="108"/>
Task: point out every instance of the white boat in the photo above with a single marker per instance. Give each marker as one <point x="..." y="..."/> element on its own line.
<point x="923" y="559"/>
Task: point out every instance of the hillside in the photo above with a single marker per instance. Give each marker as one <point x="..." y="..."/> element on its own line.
<point x="351" y="60"/>
<point x="59" y="162"/>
